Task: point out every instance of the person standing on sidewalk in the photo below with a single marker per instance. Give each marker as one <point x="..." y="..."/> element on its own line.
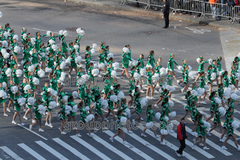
<point x="181" y="136"/>
<point x="166" y="8"/>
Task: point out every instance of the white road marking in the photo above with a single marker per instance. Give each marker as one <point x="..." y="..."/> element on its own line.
<point x="129" y="146"/>
<point x="90" y="147"/>
<point x="51" y="150"/>
<point x="11" y="153"/>
<point x="32" y="132"/>
<point x="110" y="147"/>
<point x="30" y="151"/>
<point x="153" y="148"/>
<point x="71" y="149"/>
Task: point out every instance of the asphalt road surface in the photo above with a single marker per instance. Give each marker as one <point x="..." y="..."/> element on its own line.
<point x="116" y="28"/>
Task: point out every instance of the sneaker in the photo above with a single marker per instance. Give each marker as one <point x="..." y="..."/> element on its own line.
<point x="124" y="142"/>
<point x="157" y="136"/>
<point x="205" y="148"/>
<point x="179" y="155"/>
<point x="95" y="129"/>
<point x="153" y="98"/>
<point x="19" y="65"/>
<point x="33" y="121"/>
<point x="41" y="130"/>
<point x="106" y="119"/>
<point x="89" y="135"/>
<point x="8" y="110"/>
<point x="5" y="115"/>
<point x="50" y="125"/>
<point x="24" y="117"/>
<point x="183" y="155"/>
<point x="30" y="127"/>
<point x="193" y="133"/>
<point x="147" y="97"/>
<point x="22" y="124"/>
<point x="74" y="128"/>
<point x="209" y="134"/>
<point x="13" y="122"/>
<point x="69" y="76"/>
<point x="79" y="135"/>
<point x="111" y="139"/>
<point x="143" y="135"/>
<point x="182" y="90"/>
<point x="133" y="121"/>
<point x="192" y="146"/>
<point x="46" y="124"/>
<point x="221" y="140"/>
<point x="142" y="119"/>
<point x="201" y="144"/>
<point x="203" y="102"/>
<point x="238" y="148"/>
<point x="129" y="131"/>
<point x="223" y="147"/>
<point x="194" y="140"/>
<point x="63" y="132"/>
<point x="155" y="105"/>
<point x="142" y="91"/>
<point x="163" y="143"/>
<point x="99" y="75"/>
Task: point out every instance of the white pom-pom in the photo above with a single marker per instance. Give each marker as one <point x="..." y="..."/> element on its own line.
<point x="206" y="124"/>
<point x="192" y="75"/>
<point x="51" y="41"/>
<point x="33" y="41"/>
<point x="75" y="94"/>
<point x="227" y="93"/>
<point x="170" y="126"/>
<point x="14" y="89"/>
<point x="95" y="66"/>
<point x="60" y="32"/>
<point x="234" y="96"/>
<point x="222" y="111"/>
<point x="143" y="71"/>
<point x="86" y="77"/>
<point x="171" y="103"/>
<point x="8" y="72"/>
<point x="115" y="65"/>
<point x="172" y="114"/>
<point x="95" y="72"/>
<point x="48" y="70"/>
<point x="143" y="102"/>
<point x="92" y="51"/>
<point x="160" y="90"/>
<point x="101" y="65"/>
<point x="94" y="45"/>
<point x="65" y="99"/>
<point x="52" y="91"/>
<point x="133" y="63"/>
<point x="48" y="33"/>
<point x="68" y="109"/>
<point x="149" y="125"/>
<point x="213" y="76"/>
<point x="78" y="30"/>
<point x="166" y="118"/>
<point x="5" y="43"/>
<point x="189" y="68"/>
<point x="170" y="88"/>
<point x="54" y="47"/>
<point x="31" y="101"/>
<point x="52" y="105"/>
<point x="24" y="36"/>
<point x="6" y="34"/>
<point x="123" y="120"/>
<point x="200" y="91"/>
<point x="198" y="59"/>
<point x="164" y="132"/>
<point x="63" y="64"/>
<point x="194" y="93"/>
<point x="125" y="50"/>
<point x="81" y="81"/>
<point x="163" y="72"/>
<point x="110" y="55"/>
<point x="179" y="67"/>
<point x="210" y="61"/>
<point x="19" y="72"/>
<point x="237" y="92"/>
<point x="65" y="33"/>
<point x="3" y="94"/>
<point x="15" y="37"/>
<point x="68" y="60"/>
<point x="35" y="81"/>
<point x="206" y="87"/>
<point x="75" y="108"/>
<point x="113" y="98"/>
<point x="120" y="95"/>
<point x="4" y="84"/>
<point x="41" y="73"/>
<point x="31" y="68"/>
<point x="41" y="109"/>
<point x="82" y="32"/>
<point x="155" y="77"/>
<point x="89" y="118"/>
<point x="78" y="59"/>
<point x="235" y="124"/>
<point x="27" y="87"/>
<point x="113" y="74"/>
<point x="87" y="108"/>
<point x="76" y="47"/>
<point x="104" y="103"/>
<point x="137" y="76"/>
<point x="21" y="101"/>
<point x="158" y="115"/>
<point x="148" y="66"/>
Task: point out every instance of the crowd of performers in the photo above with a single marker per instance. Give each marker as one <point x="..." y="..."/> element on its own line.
<point x="36" y="60"/>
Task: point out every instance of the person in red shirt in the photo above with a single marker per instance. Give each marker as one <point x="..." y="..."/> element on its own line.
<point x="181" y="136"/>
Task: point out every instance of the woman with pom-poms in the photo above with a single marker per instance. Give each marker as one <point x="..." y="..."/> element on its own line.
<point x="170" y="65"/>
<point x="38" y="109"/>
<point x="125" y="61"/>
<point x="149" y="83"/>
<point x="2" y="99"/>
<point x="200" y="66"/>
<point x="17" y="108"/>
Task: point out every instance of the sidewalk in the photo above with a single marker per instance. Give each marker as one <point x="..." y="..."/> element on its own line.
<point x="115" y="4"/>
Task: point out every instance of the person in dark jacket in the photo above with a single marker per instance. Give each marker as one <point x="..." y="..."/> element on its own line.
<point x="166" y="8"/>
<point x="181" y="136"/>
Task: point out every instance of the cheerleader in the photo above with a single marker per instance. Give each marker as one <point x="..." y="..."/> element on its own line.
<point x="44" y="92"/>
<point x="36" y="69"/>
<point x="130" y="91"/>
<point x="101" y="61"/>
<point x="149" y="83"/>
<point x="7" y="27"/>
<point x="4" y="75"/>
<point x="149" y="114"/>
<point x="209" y="80"/>
<point x="12" y="62"/>
<point x="107" y="86"/>
<point x="170" y="65"/>
<point x="151" y="59"/>
<point x="64" y="45"/>
<point x="214" y="70"/>
<point x="29" y="106"/>
<point x="91" y="77"/>
<point x="224" y="79"/>
<point x="98" y="112"/>
<point x="185" y="80"/>
<point x="23" y="31"/>
<point x="106" y="52"/>
<point x="59" y="61"/>
<point x="61" y="94"/>
<point x="50" y="63"/>
<point x="184" y="63"/>
<point x="48" y="99"/>
<point x="163" y="126"/>
<point x="2" y="101"/>
<point x="87" y="61"/>
<point x="77" y="41"/>
<point x="62" y="116"/>
<point x="202" y="85"/>
<point x="194" y="117"/>
<point x="38" y="116"/>
<point x="79" y="75"/>
<point x="214" y="105"/>
<point x="88" y="99"/>
<point x="54" y="83"/>
<point x="42" y="52"/>
<point x="57" y="72"/>
<point x="110" y="105"/>
<point x="230" y="133"/>
<point x="38" y="41"/>
<point x="228" y="114"/>
<point x="11" y="96"/>
<point x="72" y="114"/>
<point x="125" y="61"/>
<point x="120" y="126"/>
<point x="219" y="66"/>
<point x="26" y="54"/>
<point x="73" y="63"/>
<point x="14" y="76"/>
<point x="201" y="134"/>
<point x="17" y="108"/>
<point x="138" y="109"/>
<point x="220" y="93"/>
<point x="163" y="93"/>
<point x="82" y="90"/>
<point x="233" y="77"/>
<point x="200" y="67"/>
<point x="216" y="121"/>
<point x="31" y="83"/>
<point x="1" y="58"/>
<point x="34" y="56"/>
<point x="158" y="67"/>
<point x="188" y="107"/>
<point x="83" y="119"/>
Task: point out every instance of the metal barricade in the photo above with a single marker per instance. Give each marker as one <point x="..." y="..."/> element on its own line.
<point x="147" y="2"/>
<point x="237" y="14"/>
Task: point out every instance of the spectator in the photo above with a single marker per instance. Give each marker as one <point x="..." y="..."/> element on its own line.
<point x="181" y="136"/>
<point x="213" y="8"/>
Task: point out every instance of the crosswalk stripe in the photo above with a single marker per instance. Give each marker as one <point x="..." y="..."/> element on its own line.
<point x="210" y="143"/>
<point x="198" y="149"/>
<point x="129" y="146"/>
<point x="71" y="149"/>
<point x="51" y="150"/>
<point x="145" y="143"/>
<point x="30" y="151"/>
<point x="11" y="153"/>
<point x="170" y="145"/>
<point x="90" y="147"/>
<point x="110" y="147"/>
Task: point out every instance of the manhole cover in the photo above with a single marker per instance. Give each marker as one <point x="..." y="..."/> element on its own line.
<point x="73" y="29"/>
